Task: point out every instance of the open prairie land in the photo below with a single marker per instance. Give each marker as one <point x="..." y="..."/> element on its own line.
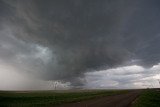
<point x="148" y="98"/>
<point x="81" y="98"/>
<point x="51" y="98"/>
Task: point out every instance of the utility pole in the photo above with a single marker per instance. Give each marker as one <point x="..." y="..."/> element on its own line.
<point x="55" y="85"/>
<point x="158" y="81"/>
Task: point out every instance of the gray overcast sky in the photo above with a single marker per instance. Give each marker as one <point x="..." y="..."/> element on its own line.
<point x="84" y="43"/>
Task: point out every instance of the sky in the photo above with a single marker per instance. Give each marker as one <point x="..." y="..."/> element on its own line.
<point x="89" y="44"/>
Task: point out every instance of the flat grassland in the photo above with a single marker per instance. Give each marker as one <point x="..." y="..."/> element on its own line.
<point x="148" y="98"/>
<point x="50" y="98"/>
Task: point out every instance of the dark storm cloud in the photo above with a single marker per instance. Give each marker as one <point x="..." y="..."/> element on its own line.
<point x="79" y="35"/>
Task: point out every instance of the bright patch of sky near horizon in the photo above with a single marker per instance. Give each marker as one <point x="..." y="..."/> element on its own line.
<point x="126" y="77"/>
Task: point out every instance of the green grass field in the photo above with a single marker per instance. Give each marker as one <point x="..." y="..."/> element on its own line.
<point x="148" y="98"/>
<point x="47" y="98"/>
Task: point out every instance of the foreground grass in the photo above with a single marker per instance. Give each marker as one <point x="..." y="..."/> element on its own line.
<point x="149" y="98"/>
<point x="47" y="98"/>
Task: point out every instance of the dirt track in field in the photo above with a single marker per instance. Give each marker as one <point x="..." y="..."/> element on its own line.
<point x="122" y="100"/>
